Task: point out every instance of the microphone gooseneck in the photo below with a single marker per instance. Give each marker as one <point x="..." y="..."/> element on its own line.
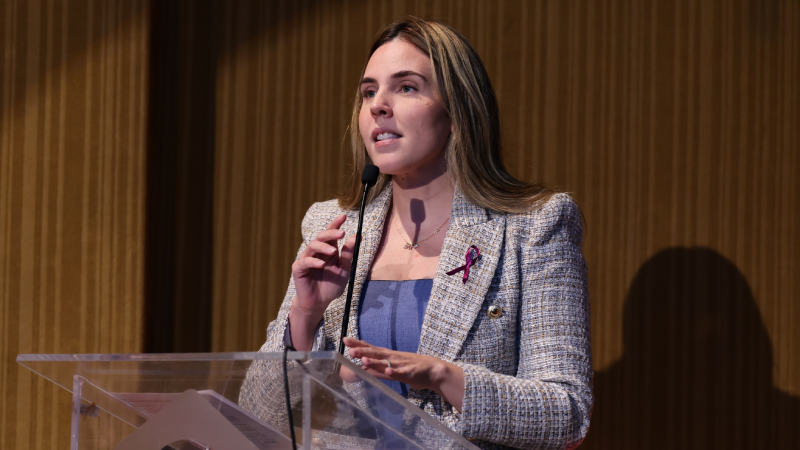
<point x="368" y="178"/>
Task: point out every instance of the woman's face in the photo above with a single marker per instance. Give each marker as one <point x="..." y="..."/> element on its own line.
<point x="402" y="120"/>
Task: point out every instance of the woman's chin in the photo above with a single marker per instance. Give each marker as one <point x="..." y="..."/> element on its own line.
<point x="397" y="170"/>
<point x="399" y="165"/>
<point x="390" y="166"/>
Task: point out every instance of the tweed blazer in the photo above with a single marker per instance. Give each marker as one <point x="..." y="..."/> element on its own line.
<point x="528" y="372"/>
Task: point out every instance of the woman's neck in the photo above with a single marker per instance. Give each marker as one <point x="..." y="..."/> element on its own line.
<point x="418" y="201"/>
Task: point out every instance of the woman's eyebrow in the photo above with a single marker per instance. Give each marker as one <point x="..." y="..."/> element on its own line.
<point x="401" y="74"/>
<point x="405" y="73"/>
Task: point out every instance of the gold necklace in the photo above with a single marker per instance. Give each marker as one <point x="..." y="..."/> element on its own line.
<point x="413" y="245"/>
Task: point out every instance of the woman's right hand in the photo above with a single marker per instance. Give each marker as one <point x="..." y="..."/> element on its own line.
<point x="320" y="275"/>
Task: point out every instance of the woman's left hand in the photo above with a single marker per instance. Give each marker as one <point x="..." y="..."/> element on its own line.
<point x="415" y="370"/>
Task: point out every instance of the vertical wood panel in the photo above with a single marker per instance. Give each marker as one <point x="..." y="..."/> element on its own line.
<point x="72" y="103"/>
<point x="180" y="160"/>
<point x="673" y="124"/>
<point x="262" y="192"/>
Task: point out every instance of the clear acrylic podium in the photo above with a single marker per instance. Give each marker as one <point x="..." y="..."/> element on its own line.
<point x="192" y="401"/>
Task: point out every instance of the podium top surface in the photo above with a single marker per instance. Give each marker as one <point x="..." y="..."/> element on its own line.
<point x="108" y="370"/>
<point x="232" y="356"/>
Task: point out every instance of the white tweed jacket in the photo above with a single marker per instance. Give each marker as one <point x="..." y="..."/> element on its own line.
<point x="528" y="372"/>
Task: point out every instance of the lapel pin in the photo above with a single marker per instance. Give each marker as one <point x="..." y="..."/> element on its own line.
<point x="473" y="253"/>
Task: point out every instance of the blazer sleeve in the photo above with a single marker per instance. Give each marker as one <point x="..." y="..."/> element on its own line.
<point x="548" y="403"/>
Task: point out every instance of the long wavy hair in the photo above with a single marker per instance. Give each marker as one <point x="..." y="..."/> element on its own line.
<point x="474" y="152"/>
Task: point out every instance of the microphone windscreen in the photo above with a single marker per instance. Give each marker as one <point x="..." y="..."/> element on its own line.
<point x="370" y="175"/>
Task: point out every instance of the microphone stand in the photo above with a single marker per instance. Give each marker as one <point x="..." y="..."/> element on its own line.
<point x="349" y="299"/>
<point x="369" y="176"/>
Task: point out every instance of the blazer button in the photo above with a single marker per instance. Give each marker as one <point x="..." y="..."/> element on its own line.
<point x="495" y="312"/>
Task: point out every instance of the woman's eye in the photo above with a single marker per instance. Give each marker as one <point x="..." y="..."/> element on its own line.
<point x="406" y="89"/>
<point x="369" y="93"/>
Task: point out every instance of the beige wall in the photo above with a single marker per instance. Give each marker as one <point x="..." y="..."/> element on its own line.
<point x="72" y="180"/>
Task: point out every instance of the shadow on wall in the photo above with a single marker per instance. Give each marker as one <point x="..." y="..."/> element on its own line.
<point x="696" y="371"/>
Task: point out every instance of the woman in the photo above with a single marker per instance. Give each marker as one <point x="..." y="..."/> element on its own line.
<point x="500" y="351"/>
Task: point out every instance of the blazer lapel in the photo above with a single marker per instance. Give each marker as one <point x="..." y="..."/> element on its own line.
<point x="454" y="305"/>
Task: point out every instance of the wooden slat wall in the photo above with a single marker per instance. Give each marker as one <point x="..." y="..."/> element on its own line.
<point x="674" y="125"/>
<point x="279" y="149"/>
<point x="72" y="182"/>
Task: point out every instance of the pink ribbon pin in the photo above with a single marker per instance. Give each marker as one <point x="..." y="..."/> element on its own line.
<point x="470" y="261"/>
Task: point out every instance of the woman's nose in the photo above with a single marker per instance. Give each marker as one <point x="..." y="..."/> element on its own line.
<point x="380" y="106"/>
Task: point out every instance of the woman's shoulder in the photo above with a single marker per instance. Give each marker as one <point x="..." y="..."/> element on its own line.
<point x="558" y="213"/>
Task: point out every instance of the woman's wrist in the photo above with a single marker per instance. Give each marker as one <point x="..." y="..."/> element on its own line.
<point x="304" y="325"/>
<point x="449" y="384"/>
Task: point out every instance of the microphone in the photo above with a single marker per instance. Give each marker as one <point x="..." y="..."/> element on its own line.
<point x="368" y="178"/>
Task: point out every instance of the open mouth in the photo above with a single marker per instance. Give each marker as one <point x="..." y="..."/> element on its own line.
<point x="386" y="136"/>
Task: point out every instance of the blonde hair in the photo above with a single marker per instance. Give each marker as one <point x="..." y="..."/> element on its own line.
<point x="474" y="153"/>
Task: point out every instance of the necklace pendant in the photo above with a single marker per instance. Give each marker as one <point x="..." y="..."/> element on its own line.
<point x="414" y="245"/>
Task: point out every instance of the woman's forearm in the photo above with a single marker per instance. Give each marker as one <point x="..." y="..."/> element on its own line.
<point x="302" y="326"/>
<point x="451" y="385"/>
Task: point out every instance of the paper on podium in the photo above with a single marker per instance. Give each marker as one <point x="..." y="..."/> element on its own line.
<point x="190" y="416"/>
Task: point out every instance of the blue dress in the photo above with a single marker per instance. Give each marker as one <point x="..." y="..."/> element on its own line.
<point x="390" y="315"/>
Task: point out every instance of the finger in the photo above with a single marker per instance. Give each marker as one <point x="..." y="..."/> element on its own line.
<point x="353" y="377"/>
<point x="322" y="248"/>
<point x="353" y="342"/>
<point x="398" y="373"/>
<point x="329" y="236"/>
<point x="381" y="365"/>
<point x="355" y="347"/>
<point x="337" y="222"/>
<point x="378" y="374"/>
<point x="369" y="351"/>
<point x="346" y="255"/>
<point x="304" y="265"/>
<point x="376" y="367"/>
<point x="349" y="376"/>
